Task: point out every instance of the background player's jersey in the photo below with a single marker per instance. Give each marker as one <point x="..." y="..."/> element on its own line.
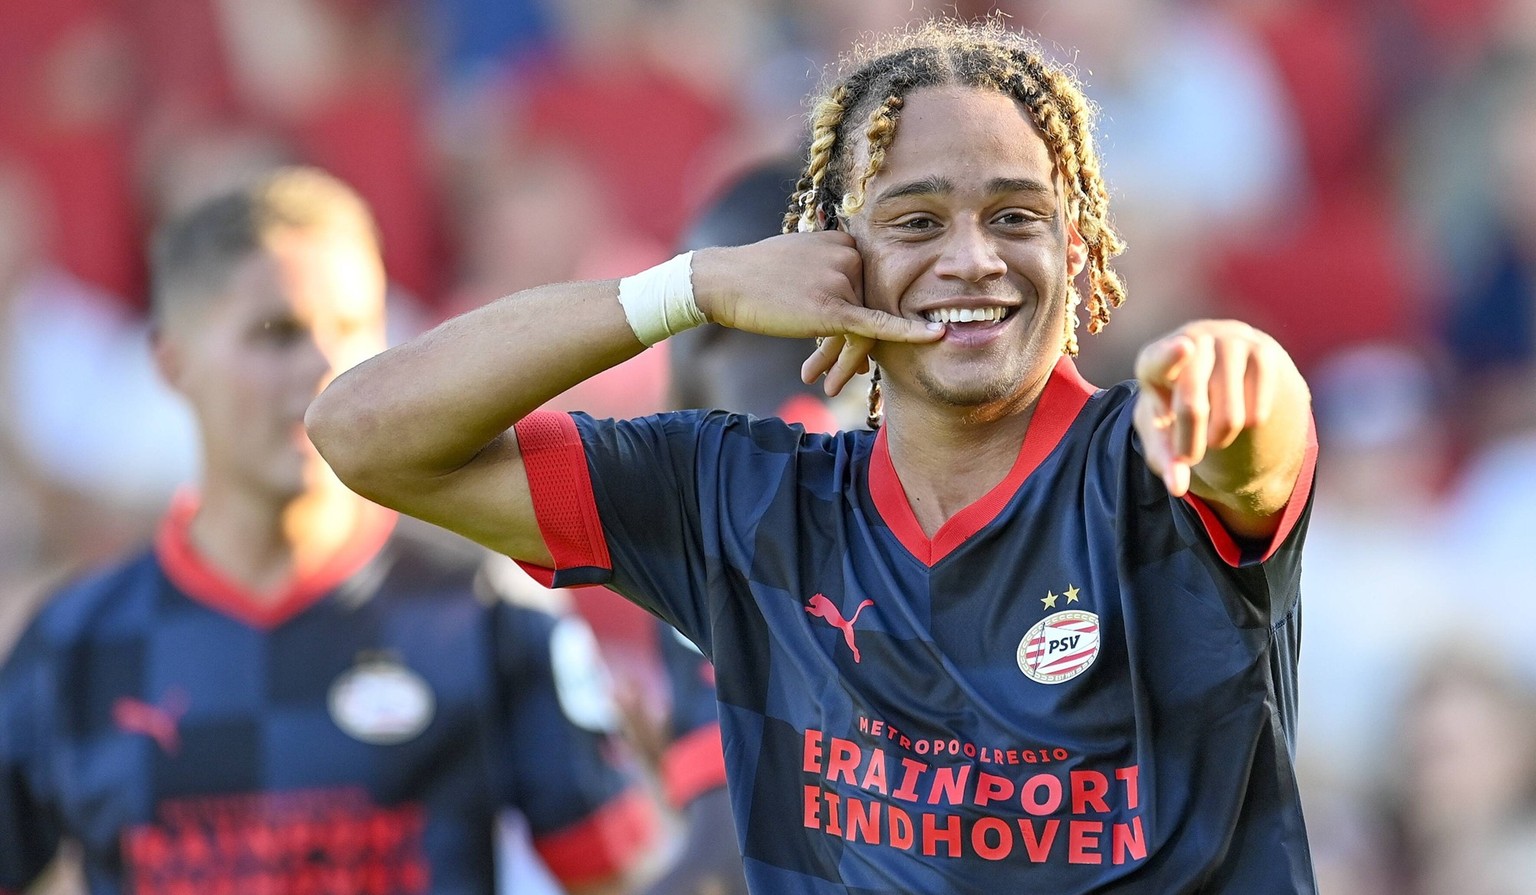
<point x="692" y="762"/>
<point x="358" y="738"/>
<point x="1078" y="684"/>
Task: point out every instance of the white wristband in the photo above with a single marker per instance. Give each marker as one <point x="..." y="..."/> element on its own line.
<point x="659" y="302"/>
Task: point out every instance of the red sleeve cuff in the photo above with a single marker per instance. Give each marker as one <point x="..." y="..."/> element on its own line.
<point x="605" y="843"/>
<point x="556" y="465"/>
<point x="1227" y="547"/>
<point x="693" y="765"/>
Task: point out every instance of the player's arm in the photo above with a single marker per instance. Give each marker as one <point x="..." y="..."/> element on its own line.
<point x="423" y="427"/>
<point x="1224" y="415"/>
<point x="30" y="826"/>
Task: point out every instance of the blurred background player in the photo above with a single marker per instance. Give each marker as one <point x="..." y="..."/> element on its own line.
<point x="716" y="367"/>
<point x="291" y="691"/>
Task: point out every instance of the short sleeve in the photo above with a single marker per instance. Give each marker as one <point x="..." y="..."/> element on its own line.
<point x="562" y="763"/>
<point x="30" y="826"/>
<point x="653" y="507"/>
<point x="1266" y="574"/>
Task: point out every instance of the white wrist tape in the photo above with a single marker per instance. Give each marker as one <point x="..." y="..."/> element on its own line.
<point x="659" y="302"/>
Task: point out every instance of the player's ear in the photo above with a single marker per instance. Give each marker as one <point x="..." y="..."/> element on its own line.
<point x="1077" y="251"/>
<point x="168" y="357"/>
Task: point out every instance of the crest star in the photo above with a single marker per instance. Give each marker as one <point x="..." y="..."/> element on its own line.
<point x="1071" y="593"/>
<point x="1049" y="600"/>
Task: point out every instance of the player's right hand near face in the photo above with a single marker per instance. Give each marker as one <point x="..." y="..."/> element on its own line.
<point x="798" y="286"/>
<point x="424" y="427"/>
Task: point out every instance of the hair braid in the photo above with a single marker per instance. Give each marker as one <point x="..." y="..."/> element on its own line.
<point x="1073" y="146"/>
<point x="825" y="123"/>
<point x="872" y="84"/>
<point x="882" y="129"/>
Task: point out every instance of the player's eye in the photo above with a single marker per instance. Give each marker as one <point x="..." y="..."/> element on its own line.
<point x="1016" y="219"/>
<point x="280" y="332"/>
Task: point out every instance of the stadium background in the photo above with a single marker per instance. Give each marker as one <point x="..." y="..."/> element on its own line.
<point x="1356" y="176"/>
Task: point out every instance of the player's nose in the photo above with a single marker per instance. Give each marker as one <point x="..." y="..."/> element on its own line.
<point x="969" y="253"/>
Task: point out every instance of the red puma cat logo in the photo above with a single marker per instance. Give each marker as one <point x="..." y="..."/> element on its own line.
<point x="154" y="721"/>
<point x="821" y="607"/>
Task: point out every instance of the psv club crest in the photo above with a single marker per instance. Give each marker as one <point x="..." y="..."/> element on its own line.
<point x="381" y="702"/>
<point x="1060" y="646"/>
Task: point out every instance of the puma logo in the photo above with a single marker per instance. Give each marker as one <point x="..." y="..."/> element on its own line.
<point x="158" y="722"/>
<point x="821" y="607"/>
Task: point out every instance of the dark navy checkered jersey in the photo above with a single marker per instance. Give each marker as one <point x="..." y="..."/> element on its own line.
<point x="359" y="739"/>
<point x="1079" y="684"/>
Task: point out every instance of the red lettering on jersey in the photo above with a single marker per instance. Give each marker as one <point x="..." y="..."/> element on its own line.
<point x="992" y="788"/>
<point x="811" y="763"/>
<point x="949" y="785"/>
<point x="1088" y="788"/>
<point x="834" y="820"/>
<point x="1127" y="840"/>
<point x="1083" y="835"/>
<point x="910" y="769"/>
<point x="874" y="775"/>
<point x="1029" y="794"/>
<point x="812" y="814"/>
<point x="844" y="759"/>
<point x="950" y="835"/>
<point x="1000" y="831"/>
<point x="901" y="828"/>
<point x="1130" y="775"/>
<point x="327" y="840"/>
<point x="1038" y="846"/>
<point x="863" y="821"/>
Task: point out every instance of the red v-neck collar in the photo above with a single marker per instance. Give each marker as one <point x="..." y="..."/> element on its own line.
<point x="1063" y="398"/>
<point x="191" y="572"/>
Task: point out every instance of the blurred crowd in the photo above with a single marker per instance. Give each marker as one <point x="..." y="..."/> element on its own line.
<point x="1357" y="177"/>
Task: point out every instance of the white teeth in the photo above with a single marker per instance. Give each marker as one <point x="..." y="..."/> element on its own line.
<point x="966" y="315"/>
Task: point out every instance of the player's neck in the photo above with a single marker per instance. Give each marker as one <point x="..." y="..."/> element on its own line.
<point x="265" y="545"/>
<point x="947" y="460"/>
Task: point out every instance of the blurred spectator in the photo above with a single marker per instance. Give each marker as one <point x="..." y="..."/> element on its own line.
<point x="614" y="100"/>
<point x="67" y="78"/>
<point x="1377" y="579"/>
<point x="1200" y="150"/>
<point x="91" y="443"/>
<point x="1463" y="795"/>
<point x="1491" y="325"/>
<point x="1339" y="253"/>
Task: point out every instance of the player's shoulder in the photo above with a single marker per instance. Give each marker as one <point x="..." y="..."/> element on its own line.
<point x="1110" y="403"/>
<point x="118" y="597"/>
<point x="1106" y="417"/>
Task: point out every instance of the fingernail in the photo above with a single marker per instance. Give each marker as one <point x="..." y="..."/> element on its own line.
<point x="935" y="327"/>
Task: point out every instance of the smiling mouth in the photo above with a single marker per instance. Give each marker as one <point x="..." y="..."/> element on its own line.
<point x="967" y="315"/>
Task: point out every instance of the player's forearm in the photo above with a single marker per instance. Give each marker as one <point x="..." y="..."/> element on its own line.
<point x="428" y="407"/>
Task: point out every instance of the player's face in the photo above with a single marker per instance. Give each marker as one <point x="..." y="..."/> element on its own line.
<point x="296" y="314"/>
<point x="966" y="219"/>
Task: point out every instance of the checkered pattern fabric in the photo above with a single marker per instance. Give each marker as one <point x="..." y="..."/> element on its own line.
<point x="1078" y="684"/>
<point x="361" y="744"/>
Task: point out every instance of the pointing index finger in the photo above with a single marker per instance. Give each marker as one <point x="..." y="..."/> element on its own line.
<point x="1158" y="365"/>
